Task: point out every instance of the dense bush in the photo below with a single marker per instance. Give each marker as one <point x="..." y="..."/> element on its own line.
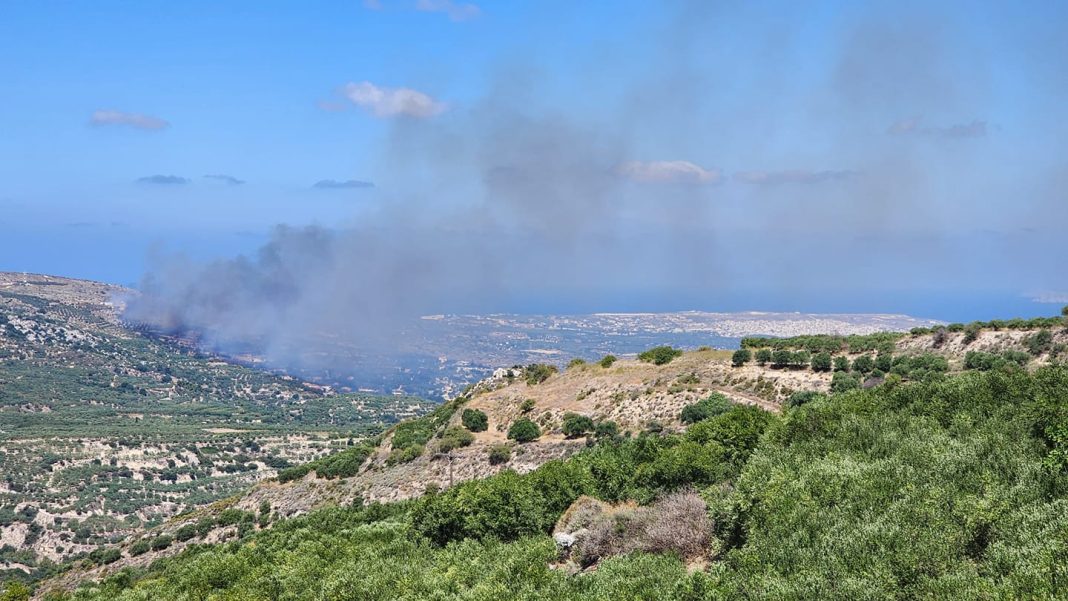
<point x="607" y="361"/>
<point x="454" y="438"/>
<point x="763" y="356"/>
<point x="1039" y="342"/>
<point x="821" y="361"/>
<point x="576" y="362"/>
<point x="710" y="406"/>
<point x="659" y="355"/>
<point x="864" y="364"/>
<point x="843" y="381"/>
<point x="741" y="357"/>
<point x="474" y="420"/>
<point x="140" y="547"/>
<point x="801" y="397"/>
<point x="606" y="429"/>
<point x="524" y="430"/>
<point x="343" y="464"/>
<point x="575" y="425"/>
<point x="536" y="373"/>
<point x="881" y="341"/>
<point x="986" y="361"/>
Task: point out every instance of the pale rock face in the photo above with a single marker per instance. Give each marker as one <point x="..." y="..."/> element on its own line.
<point x="564" y="540"/>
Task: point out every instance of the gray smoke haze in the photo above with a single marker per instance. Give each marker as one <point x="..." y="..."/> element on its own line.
<point x="679" y="189"/>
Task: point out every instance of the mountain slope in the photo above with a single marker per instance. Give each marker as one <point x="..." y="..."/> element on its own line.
<point x="105" y="430"/>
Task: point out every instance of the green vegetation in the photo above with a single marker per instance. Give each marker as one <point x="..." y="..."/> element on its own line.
<point x="763" y="356"/>
<point x="741" y="357"/>
<point x="821" y="361"/>
<point x="954" y="488"/>
<point x="607" y="361"/>
<point x="338" y="465"/>
<point x="536" y="373"/>
<point x="882" y="341"/>
<point x="128" y="429"/>
<point x="524" y="430"/>
<point x="576" y="362"/>
<point x="659" y="355"/>
<point x="710" y="406"/>
<point x="454" y="438"/>
<point x="474" y="420"/>
<point x="499" y="454"/>
<point x="576" y="425"/>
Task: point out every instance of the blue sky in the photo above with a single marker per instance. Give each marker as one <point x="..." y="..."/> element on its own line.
<point x="770" y="155"/>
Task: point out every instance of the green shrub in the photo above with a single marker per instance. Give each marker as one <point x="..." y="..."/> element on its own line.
<point x="474" y="420"/>
<point x="659" y="355"/>
<point x="186" y="532"/>
<point x="1039" y="342"/>
<point x="536" y="373"/>
<point x="140" y="547"/>
<point x="821" y="361"/>
<point x="864" y="364"/>
<point x="802" y="397"/>
<point x="576" y="425"/>
<point x="606" y="429"/>
<point x="105" y="556"/>
<point x="576" y="362"/>
<point x="404" y="455"/>
<point x="161" y="542"/>
<point x="454" y="438"/>
<point x="524" y="430"/>
<point x="500" y="453"/>
<point x="741" y="357"/>
<point x="607" y="361"/>
<point x="526" y="406"/>
<point x="841" y="364"/>
<point x="844" y="382"/>
<point x="763" y="356"/>
<point x="710" y="406"/>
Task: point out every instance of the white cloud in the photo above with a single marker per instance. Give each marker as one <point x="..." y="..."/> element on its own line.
<point x="392" y="102"/>
<point x="669" y="172"/>
<point x="1051" y="297"/>
<point x="457" y="11"/>
<point x="135" y="120"/>
<point x="332" y="184"/>
<point x="791" y="176"/>
<point x="914" y="126"/>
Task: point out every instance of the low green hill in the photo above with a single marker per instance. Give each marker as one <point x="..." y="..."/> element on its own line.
<point x="950" y="488"/>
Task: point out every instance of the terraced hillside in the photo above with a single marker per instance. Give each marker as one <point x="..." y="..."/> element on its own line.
<point x="104" y="431"/>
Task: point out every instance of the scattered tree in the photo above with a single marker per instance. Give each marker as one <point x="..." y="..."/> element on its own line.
<point x="576" y="425"/>
<point x="524" y="430"/>
<point x="841" y="363"/>
<point x="821" y="361"/>
<point x="474" y="420"/>
<point x="763" y="356"/>
<point x="741" y="357"/>
<point x="659" y="355"/>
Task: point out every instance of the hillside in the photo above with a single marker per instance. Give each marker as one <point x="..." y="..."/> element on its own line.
<point x="105" y="431"/>
<point x="638" y="398"/>
<point x="944" y="476"/>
